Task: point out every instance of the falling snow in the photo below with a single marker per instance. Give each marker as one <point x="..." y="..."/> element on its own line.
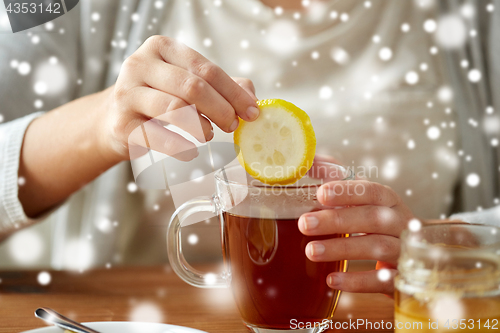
<point x="474" y="75"/>
<point x="473" y="180"/>
<point x="384" y="275"/>
<point x="385" y="54"/>
<point x="132" y="187"/>
<point x="433" y="133"/>
<point x="451" y="32"/>
<point x="430" y="26"/>
<point x="44" y="278"/>
<point x="411" y="78"/>
<point x="193" y="239"/>
<point x="146" y="312"/>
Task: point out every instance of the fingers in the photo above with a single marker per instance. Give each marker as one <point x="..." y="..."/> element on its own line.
<point x="368" y="247"/>
<point x="181" y="56"/>
<point x="193" y="90"/>
<point x="356" y="192"/>
<point x="171" y="110"/>
<point x="246" y="84"/>
<point x="357" y="219"/>
<point x="376" y="281"/>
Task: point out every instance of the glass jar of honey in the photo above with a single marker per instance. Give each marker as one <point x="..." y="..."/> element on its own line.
<point x="449" y="279"/>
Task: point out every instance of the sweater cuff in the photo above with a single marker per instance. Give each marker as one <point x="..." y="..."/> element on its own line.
<point x="11" y="141"/>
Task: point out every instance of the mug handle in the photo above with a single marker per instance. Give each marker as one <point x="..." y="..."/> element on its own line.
<point x="174" y="247"/>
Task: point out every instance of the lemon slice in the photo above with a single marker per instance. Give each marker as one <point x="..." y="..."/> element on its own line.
<point x="278" y="147"/>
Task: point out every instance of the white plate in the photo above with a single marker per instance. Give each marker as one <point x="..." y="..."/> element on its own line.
<point x="125" y="327"/>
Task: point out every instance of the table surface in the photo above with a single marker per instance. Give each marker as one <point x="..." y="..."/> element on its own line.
<point x="114" y="294"/>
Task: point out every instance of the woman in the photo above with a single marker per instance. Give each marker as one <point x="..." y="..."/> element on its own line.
<point x="355" y="67"/>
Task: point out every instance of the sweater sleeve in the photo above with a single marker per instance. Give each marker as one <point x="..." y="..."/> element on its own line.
<point x="489" y="216"/>
<point x="12" y="215"/>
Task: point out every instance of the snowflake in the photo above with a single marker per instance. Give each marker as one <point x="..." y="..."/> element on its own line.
<point x="207" y="42"/>
<point x="445" y="94"/>
<point x="468" y="11"/>
<point x="433" y="133"/>
<point x="44" y="278"/>
<point x="385" y="54"/>
<point x="158" y="4"/>
<point x="193" y="239"/>
<point x="40" y="88"/>
<point x="244" y="44"/>
<point x="390" y="169"/>
<point x="245" y="67"/>
<point x="210" y="279"/>
<point x="104" y="225"/>
<point x="451" y="32"/>
<point x="473" y="180"/>
<point x="376" y="39"/>
<point x="325" y="92"/>
<point x="23" y="68"/>
<point x="474" y="75"/>
<point x="278" y="10"/>
<point x="340" y="56"/>
<point x="146" y="312"/>
<point x="411" y="144"/>
<point x="38" y="104"/>
<point x="384" y="275"/>
<point x="411" y="77"/>
<point x="405" y="27"/>
<point x="281" y="36"/>
<point x="424" y="67"/>
<point x="464" y="63"/>
<point x="334" y="15"/>
<point x="26" y="247"/>
<point x="95" y="17"/>
<point x="132" y="187"/>
<point x="414" y="225"/>
<point x="344" y="17"/>
<point x="430" y="26"/>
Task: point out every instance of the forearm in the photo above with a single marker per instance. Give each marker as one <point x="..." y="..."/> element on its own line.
<point x="62" y="151"/>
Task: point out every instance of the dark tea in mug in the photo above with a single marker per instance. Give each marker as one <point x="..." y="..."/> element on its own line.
<point x="273" y="282"/>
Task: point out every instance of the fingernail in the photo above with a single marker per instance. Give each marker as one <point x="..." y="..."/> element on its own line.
<point x="310" y="222"/>
<point x="234" y="125"/>
<point x="211" y="135"/>
<point x="333" y="280"/>
<point x="316" y="249"/>
<point x="253" y="113"/>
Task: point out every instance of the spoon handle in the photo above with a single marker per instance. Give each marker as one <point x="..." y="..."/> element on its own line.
<point x="59" y="320"/>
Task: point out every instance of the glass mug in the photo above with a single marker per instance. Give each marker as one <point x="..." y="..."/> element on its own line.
<point x="449" y="279"/>
<point x="275" y="286"/>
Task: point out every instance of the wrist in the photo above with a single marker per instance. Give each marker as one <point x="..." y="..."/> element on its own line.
<point x="109" y="148"/>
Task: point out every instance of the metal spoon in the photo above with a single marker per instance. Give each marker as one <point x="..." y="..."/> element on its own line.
<point x="52" y="317"/>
